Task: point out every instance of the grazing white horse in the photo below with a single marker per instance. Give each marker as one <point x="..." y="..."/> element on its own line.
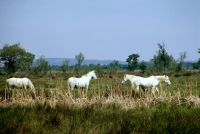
<point x="83" y="81"/>
<point x="152" y="81"/>
<point x="20" y="83"/>
<point x="130" y="78"/>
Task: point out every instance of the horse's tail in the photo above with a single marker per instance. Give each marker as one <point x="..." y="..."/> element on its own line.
<point x="133" y="89"/>
<point x="69" y="86"/>
<point x="30" y="84"/>
<point x="7" y="84"/>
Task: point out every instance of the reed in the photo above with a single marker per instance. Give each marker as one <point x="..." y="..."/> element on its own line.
<point x="108" y="107"/>
<point x="108" y="91"/>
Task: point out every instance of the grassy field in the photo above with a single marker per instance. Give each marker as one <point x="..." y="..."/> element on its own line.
<point x="108" y="107"/>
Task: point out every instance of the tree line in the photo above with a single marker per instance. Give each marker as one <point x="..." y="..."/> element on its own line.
<point x="15" y="58"/>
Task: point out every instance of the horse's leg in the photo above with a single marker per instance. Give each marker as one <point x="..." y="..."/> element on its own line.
<point x="86" y="90"/>
<point x="133" y="88"/>
<point x="25" y="88"/>
<point x="9" y="88"/>
<point x="34" y="93"/>
<point x="83" y="91"/>
<point x="153" y="90"/>
<point x="160" y="87"/>
<point x="138" y="91"/>
<point x="156" y="89"/>
<point x="11" y="91"/>
<point x="72" y="89"/>
<point x="138" y="88"/>
<point x="69" y="87"/>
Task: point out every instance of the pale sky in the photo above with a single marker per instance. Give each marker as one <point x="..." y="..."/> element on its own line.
<point x="101" y="29"/>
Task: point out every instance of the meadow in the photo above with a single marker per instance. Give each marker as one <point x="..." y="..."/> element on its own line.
<point x="108" y="107"/>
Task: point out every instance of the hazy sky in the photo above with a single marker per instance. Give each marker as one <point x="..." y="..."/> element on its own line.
<point x="101" y="29"/>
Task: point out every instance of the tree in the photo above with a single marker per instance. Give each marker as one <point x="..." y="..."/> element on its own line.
<point x="26" y="61"/>
<point x="80" y="58"/>
<point x="96" y="67"/>
<point x="183" y="56"/>
<point x="42" y="66"/>
<point x="11" y="55"/>
<point x="162" y="59"/>
<point x="172" y="64"/>
<point x="113" y="66"/>
<point x="143" y="66"/>
<point x="196" y="65"/>
<point x="65" y="65"/>
<point x="199" y="58"/>
<point x="179" y="66"/>
<point x="132" y="62"/>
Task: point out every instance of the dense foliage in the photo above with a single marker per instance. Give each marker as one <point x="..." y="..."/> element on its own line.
<point x="15" y="57"/>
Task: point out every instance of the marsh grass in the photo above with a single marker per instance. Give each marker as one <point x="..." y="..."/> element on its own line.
<point x="43" y="118"/>
<point x="108" y="107"/>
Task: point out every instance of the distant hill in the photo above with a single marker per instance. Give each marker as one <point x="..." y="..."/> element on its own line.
<point x="59" y="61"/>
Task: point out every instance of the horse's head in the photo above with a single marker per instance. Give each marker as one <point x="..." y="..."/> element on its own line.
<point x="124" y="80"/>
<point x="93" y="74"/>
<point x="167" y="80"/>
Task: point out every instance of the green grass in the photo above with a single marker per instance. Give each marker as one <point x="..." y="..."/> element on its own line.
<point x="108" y="108"/>
<point x="97" y="119"/>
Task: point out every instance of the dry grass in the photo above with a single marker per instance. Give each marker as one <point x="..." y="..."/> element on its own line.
<point x="108" y="107"/>
<point x="105" y="91"/>
<point x="56" y="96"/>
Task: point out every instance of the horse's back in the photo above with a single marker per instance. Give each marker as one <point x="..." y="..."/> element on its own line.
<point x="80" y="82"/>
<point x="72" y="80"/>
<point x="12" y="80"/>
<point x="26" y="80"/>
<point x="148" y="81"/>
<point x="17" y="81"/>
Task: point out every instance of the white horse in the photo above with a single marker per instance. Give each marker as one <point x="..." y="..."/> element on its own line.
<point x="152" y="81"/>
<point x="83" y="81"/>
<point x="130" y="78"/>
<point x="20" y="83"/>
<point x="162" y="78"/>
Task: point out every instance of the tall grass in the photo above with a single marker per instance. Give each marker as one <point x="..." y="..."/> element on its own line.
<point x="42" y="118"/>
<point x="108" y="107"/>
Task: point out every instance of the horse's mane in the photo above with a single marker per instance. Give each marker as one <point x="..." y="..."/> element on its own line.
<point x="86" y="74"/>
<point x="160" y="77"/>
<point x="130" y="75"/>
